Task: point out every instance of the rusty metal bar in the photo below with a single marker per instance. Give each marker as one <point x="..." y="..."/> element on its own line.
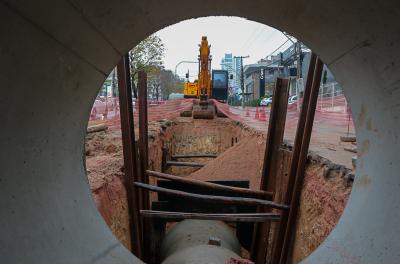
<point x="144" y="159"/>
<point x="129" y="152"/>
<point x="301" y="162"/>
<point x="178" y="216"/>
<point x="295" y="157"/>
<point x="184" y="164"/>
<point x="276" y="129"/>
<point x="143" y="134"/>
<point x="212" y="198"/>
<point x="210" y="185"/>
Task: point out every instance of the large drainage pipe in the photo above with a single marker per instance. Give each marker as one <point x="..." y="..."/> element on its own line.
<point x="199" y="241"/>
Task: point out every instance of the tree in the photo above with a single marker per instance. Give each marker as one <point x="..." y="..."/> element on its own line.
<point x="147" y="55"/>
<point x="154" y="82"/>
<point x="161" y="83"/>
<point x="170" y="83"/>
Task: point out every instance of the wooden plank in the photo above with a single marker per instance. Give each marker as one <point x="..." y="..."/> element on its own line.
<point x="212" y="198"/>
<point x="183" y="156"/>
<point x="184" y="164"/>
<point x="178" y="216"/>
<point x="97" y="128"/>
<point x="276" y="129"/>
<point x="244" y="191"/>
<point x="129" y="153"/>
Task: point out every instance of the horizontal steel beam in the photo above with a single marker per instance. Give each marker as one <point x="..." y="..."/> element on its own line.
<point x="214" y="186"/>
<point x="177" y="216"/>
<point x="212" y="198"/>
<point x="184" y="164"/>
<point x="183" y="156"/>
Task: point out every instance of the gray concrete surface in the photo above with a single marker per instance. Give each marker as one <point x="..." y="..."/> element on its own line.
<point x="55" y="54"/>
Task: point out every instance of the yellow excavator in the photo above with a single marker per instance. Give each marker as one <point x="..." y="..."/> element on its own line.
<point x="208" y="85"/>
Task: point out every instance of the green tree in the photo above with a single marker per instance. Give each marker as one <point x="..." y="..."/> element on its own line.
<point x="147" y="56"/>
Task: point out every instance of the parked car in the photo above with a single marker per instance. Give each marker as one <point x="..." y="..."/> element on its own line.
<point x="292" y="99"/>
<point x="266" y="101"/>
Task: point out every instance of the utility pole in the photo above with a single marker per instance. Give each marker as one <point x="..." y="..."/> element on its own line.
<point x="242" y="75"/>
<point x="298" y="44"/>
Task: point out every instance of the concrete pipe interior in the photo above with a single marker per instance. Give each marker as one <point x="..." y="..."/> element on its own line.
<point x="55" y="55"/>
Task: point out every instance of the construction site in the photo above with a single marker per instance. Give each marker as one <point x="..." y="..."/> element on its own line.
<point x="290" y="159"/>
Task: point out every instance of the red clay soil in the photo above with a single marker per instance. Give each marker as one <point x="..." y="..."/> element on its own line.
<point x="104" y="164"/>
<point x="242" y="161"/>
<point x="323" y="200"/>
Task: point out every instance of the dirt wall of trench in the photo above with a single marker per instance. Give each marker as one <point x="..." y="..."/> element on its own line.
<point x="105" y="170"/>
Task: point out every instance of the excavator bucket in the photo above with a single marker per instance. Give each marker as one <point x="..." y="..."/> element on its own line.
<point x="203" y="109"/>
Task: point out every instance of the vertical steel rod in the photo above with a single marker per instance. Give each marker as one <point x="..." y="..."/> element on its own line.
<point x="129" y="151"/>
<point x="295" y="158"/>
<point x="276" y="131"/>
<point x="143" y="154"/>
<point x="143" y="133"/>
<point x="301" y="162"/>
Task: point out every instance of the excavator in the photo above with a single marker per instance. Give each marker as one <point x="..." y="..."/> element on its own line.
<point x="208" y="85"/>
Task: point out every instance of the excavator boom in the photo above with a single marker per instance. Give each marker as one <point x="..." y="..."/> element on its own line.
<point x="203" y="108"/>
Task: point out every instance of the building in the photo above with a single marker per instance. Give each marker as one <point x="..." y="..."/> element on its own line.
<point x="227" y="64"/>
<point x="233" y="65"/>
<point x="260" y="77"/>
<point x="237" y="65"/>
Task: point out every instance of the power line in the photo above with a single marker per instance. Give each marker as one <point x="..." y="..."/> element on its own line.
<point x="272" y="53"/>
<point x="246" y="43"/>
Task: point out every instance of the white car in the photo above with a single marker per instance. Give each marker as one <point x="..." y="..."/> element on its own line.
<point x="292" y="99"/>
<point x="266" y="101"/>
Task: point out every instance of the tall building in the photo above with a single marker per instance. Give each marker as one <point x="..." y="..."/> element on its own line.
<point x="233" y="65"/>
<point x="227" y="64"/>
<point x="237" y="63"/>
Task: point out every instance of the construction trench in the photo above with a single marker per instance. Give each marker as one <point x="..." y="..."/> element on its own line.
<point x="239" y="151"/>
<point x="51" y="73"/>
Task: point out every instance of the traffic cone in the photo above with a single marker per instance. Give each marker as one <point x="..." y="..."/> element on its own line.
<point x="263" y="116"/>
<point x="257" y="116"/>
<point x="247" y="112"/>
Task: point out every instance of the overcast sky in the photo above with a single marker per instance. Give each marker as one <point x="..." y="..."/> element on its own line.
<point x="225" y="34"/>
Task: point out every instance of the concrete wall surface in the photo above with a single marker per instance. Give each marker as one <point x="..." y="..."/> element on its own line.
<point x="55" y="54"/>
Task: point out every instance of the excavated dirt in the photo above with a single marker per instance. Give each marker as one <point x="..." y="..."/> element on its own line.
<point x="242" y="161"/>
<point x="240" y="155"/>
<point x="105" y="170"/>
